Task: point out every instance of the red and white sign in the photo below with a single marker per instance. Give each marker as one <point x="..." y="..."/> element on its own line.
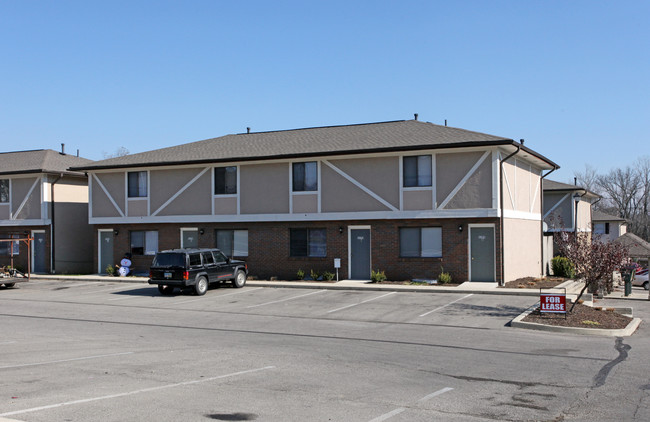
<point x="552" y="302"/>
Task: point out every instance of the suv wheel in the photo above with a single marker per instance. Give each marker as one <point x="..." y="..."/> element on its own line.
<point x="240" y="279"/>
<point x="201" y="286"/>
<point x="9" y="285"/>
<point x="165" y="289"/>
<point x="646" y="285"/>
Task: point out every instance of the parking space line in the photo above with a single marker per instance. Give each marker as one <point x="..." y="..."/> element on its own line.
<point x="65" y="360"/>
<point x="127" y="297"/>
<point x="8" y="342"/>
<point x="130" y="393"/>
<point x="365" y="301"/>
<point x="216" y="297"/>
<point x="284" y="300"/>
<point x="399" y="410"/>
<point x="444" y="306"/>
<point x="106" y="290"/>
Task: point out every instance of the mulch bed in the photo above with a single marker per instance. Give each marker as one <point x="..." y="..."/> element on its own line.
<point x="535" y="283"/>
<point x="583" y="316"/>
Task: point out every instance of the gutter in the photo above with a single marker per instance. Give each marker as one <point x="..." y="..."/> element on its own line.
<point x="52" y="231"/>
<point x="501" y="237"/>
<point x="541" y="223"/>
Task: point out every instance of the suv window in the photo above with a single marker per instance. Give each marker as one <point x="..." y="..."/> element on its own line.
<point x="207" y="258"/>
<point x="169" y="260"/>
<point x="220" y="257"/>
<point x="195" y="260"/>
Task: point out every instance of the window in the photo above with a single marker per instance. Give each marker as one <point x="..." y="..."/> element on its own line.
<point x="144" y="242"/>
<point x="420" y="242"/>
<point x="189" y="238"/>
<point x="225" y="180"/>
<point x="4" y="190"/>
<point x="308" y="242"/>
<point x="10" y="248"/>
<point x="195" y="260"/>
<point x="208" y="259"/>
<point x="599" y="228"/>
<point x="417" y="171"/>
<point x="305" y="176"/>
<point x="220" y="258"/>
<point x="137" y="184"/>
<point x="232" y="242"/>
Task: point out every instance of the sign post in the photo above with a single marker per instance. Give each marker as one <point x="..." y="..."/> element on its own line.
<point x="337" y="265"/>
<point x="552" y="303"/>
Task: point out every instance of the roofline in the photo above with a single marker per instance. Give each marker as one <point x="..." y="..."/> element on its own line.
<point x="321" y="154"/>
<point x="68" y="172"/>
<point x="325" y="127"/>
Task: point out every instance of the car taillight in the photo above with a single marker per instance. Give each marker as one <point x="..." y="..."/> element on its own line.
<point x="150" y="274"/>
<point x="186" y="275"/>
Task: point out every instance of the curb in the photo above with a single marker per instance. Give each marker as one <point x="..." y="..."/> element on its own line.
<point x="622" y="332"/>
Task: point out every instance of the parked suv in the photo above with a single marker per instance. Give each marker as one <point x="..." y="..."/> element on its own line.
<point x="195" y="267"/>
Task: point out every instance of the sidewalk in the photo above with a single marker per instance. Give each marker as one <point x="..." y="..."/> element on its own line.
<point x="467" y="287"/>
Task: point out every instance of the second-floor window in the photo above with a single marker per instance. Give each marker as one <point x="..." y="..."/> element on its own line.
<point x="305" y="176"/>
<point x="417" y="171"/>
<point x="225" y="180"/>
<point x="4" y="190"/>
<point x="137" y="184"/>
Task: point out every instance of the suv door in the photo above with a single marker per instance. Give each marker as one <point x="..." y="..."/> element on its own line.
<point x="210" y="266"/>
<point x="224" y="268"/>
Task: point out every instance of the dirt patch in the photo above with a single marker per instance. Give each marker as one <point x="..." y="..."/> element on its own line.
<point x="535" y="283"/>
<point x="583" y="316"/>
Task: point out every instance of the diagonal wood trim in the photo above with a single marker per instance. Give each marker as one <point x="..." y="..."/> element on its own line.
<point x="181" y="190"/>
<point x="360" y="186"/>
<point x="556" y="205"/>
<point x="539" y="182"/>
<point x="110" y="198"/>
<point x="464" y="179"/>
<point x="505" y="177"/>
<point x="22" y="204"/>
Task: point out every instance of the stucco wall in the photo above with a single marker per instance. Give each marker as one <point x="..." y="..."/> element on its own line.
<point x="563" y="213"/>
<point x="522" y="248"/>
<point x="19" y="189"/>
<point x="264" y="188"/>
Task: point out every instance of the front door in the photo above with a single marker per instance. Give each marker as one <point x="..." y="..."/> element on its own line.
<point x="39" y="252"/>
<point x="105" y="250"/>
<point x="360" y="254"/>
<point x="481" y="245"/>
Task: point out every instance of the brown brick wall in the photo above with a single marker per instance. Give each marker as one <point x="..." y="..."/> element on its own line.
<point x="268" y="247"/>
<point x="20" y="261"/>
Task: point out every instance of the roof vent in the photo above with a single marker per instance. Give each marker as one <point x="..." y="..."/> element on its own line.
<point x="62" y="148"/>
<point x="445" y="122"/>
<point x="416" y="116"/>
<point x="248" y="130"/>
<point x="521" y="141"/>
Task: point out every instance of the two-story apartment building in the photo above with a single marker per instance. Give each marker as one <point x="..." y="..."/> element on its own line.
<point x="41" y="198"/>
<point x="608" y="227"/>
<point x="407" y="197"/>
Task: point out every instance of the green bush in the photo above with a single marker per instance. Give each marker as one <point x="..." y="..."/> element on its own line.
<point x="328" y="276"/>
<point x="300" y="274"/>
<point x="377" y="276"/>
<point x="314" y="274"/>
<point x="444" y="278"/>
<point x="562" y="267"/>
<point x="110" y="270"/>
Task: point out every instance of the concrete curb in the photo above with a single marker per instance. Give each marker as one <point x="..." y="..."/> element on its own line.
<point x="623" y="332"/>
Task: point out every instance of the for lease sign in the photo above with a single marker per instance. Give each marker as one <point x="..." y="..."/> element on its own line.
<point x="552" y="302"/>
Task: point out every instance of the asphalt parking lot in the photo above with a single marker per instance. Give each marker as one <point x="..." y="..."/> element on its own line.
<point x="103" y="351"/>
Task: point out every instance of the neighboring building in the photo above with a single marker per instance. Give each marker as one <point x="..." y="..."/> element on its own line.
<point x="407" y="197"/>
<point x="40" y="197"/>
<point x="638" y="249"/>
<point x="609" y="227"/>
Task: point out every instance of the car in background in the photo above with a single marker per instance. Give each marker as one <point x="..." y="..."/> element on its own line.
<point x="196" y="269"/>
<point x="641" y="277"/>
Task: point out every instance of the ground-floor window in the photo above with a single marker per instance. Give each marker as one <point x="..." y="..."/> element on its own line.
<point x="420" y="242"/>
<point x="9" y="248"/>
<point x="232" y="242"/>
<point x="308" y="242"/>
<point x="144" y="242"/>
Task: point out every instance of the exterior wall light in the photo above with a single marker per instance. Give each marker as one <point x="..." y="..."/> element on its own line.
<point x="460" y="228"/>
<point x="116" y="232"/>
<point x="201" y="231"/>
<point x="341" y="230"/>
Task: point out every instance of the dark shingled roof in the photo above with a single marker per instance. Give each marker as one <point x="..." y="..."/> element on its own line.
<point x="402" y="135"/>
<point x="552" y="185"/>
<point x="39" y="161"/>
<point x="601" y="216"/>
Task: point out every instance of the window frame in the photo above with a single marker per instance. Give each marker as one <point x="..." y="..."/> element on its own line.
<point x="145" y="245"/>
<point x="420" y="242"/>
<point x="299" y="184"/>
<point x="225" y="187"/>
<point x="308" y="240"/>
<point x="418" y="173"/>
<point x="138" y="194"/>
<point x="232" y="242"/>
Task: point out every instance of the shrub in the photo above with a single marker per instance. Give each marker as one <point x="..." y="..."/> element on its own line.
<point x="444" y="278"/>
<point x="300" y="274"/>
<point x="562" y="267"/>
<point x="314" y="274"/>
<point x="377" y="276"/>
<point x="110" y="270"/>
<point x="328" y="276"/>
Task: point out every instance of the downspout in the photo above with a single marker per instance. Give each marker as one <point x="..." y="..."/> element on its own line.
<point x="52" y="231"/>
<point x="501" y="237"/>
<point x="541" y="223"/>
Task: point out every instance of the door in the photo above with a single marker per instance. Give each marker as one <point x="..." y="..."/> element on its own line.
<point x="39" y="252"/>
<point x="481" y="245"/>
<point x="105" y="250"/>
<point x="360" y="254"/>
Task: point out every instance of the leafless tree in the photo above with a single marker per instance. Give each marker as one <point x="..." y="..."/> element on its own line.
<point x="622" y="187"/>
<point x="588" y="179"/>
<point x="120" y="152"/>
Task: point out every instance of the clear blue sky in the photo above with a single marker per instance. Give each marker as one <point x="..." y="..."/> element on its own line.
<point x="570" y="77"/>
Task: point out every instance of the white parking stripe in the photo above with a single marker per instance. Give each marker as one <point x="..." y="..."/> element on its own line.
<point x="126" y="297"/>
<point x="444" y="306"/>
<point x="130" y="393"/>
<point x="106" y="290"/>
<point x="217" y="297"/>
<point x="8" y="342"/>
<point x="284" y="300"/>
<point x="65" y="360"/>
<point x="365" y="301"/>
<point x="401" y="409"/>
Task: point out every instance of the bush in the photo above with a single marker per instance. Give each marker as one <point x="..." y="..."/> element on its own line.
<point x="110" y="270"/>
<point x="377" y="276"/>
<point x="314" y="274"/>
<point x="300" y="274"/>
<point x="562" y="267"/>
<point x="328" y="276"/>
<point x="444" y="278"/>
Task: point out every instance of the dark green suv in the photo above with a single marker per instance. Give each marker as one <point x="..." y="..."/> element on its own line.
<point x="195" y="268"/>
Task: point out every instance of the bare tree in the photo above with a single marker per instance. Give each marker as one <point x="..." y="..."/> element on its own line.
<point x="588" y="179"/>
<point x="621" y="187"/>
<point x="120" y="152"/>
